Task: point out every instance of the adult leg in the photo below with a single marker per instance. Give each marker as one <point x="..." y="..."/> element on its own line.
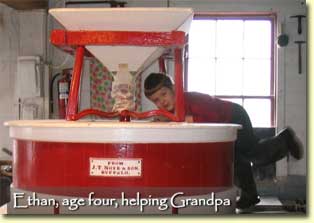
<point x="270" y="150"/>
<point x="261" y="153"/>
<point x="246" y="141"/>
<point x="244" y="179"/>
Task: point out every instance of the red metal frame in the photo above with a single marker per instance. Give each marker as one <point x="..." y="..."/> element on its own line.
<point x="75" y="38"/>
<point x="75" y="84"/>
<point x="179" y="103"/>
<point x="162" y="65"/>
<point x="70" y="41"/>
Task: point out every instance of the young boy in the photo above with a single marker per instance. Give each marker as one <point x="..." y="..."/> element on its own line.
<point x="203" y="108"/>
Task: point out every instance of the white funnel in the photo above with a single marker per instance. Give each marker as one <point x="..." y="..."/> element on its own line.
<point x="125" y="19"/>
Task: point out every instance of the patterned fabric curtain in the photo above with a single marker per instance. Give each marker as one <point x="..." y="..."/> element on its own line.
<point x="101" y="83"/>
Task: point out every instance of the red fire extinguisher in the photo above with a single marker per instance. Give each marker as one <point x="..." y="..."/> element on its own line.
<point x="63" y="91"/>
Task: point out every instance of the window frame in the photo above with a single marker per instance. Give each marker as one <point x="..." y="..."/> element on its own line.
<point x="271" y="16"/>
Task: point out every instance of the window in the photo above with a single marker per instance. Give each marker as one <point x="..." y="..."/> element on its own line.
<point x="232" y="58"/>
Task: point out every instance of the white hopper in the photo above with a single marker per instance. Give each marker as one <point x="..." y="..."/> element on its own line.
<point x="125" y="19"/>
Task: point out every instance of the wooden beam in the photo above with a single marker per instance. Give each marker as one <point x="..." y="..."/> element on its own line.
<point x="26" y="4"/>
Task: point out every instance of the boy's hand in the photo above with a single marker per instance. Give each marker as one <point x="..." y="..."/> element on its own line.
<point x="189" y="118"/>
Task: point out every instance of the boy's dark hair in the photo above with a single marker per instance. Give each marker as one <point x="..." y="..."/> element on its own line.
<point x="155" y="81"/>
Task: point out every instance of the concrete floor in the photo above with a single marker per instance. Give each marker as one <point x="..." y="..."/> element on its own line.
<point x="272" y="205"/>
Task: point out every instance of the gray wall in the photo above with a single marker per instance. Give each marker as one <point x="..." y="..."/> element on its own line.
<point x="22" y="33"/>
<point x="9" y="47"/>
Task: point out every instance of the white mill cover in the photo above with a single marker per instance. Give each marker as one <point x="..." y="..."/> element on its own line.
<point x="125" y="19"/>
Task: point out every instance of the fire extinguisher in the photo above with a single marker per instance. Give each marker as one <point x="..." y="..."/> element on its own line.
<point x="63" y="91"/>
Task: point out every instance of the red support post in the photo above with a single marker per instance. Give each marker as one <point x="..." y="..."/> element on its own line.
<point x="162" y="65"/>
<point x="174" y="210"/>
<point x="179" y="97"/>
<point x="75" y="84"/>
<point x="56" y="208"/>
